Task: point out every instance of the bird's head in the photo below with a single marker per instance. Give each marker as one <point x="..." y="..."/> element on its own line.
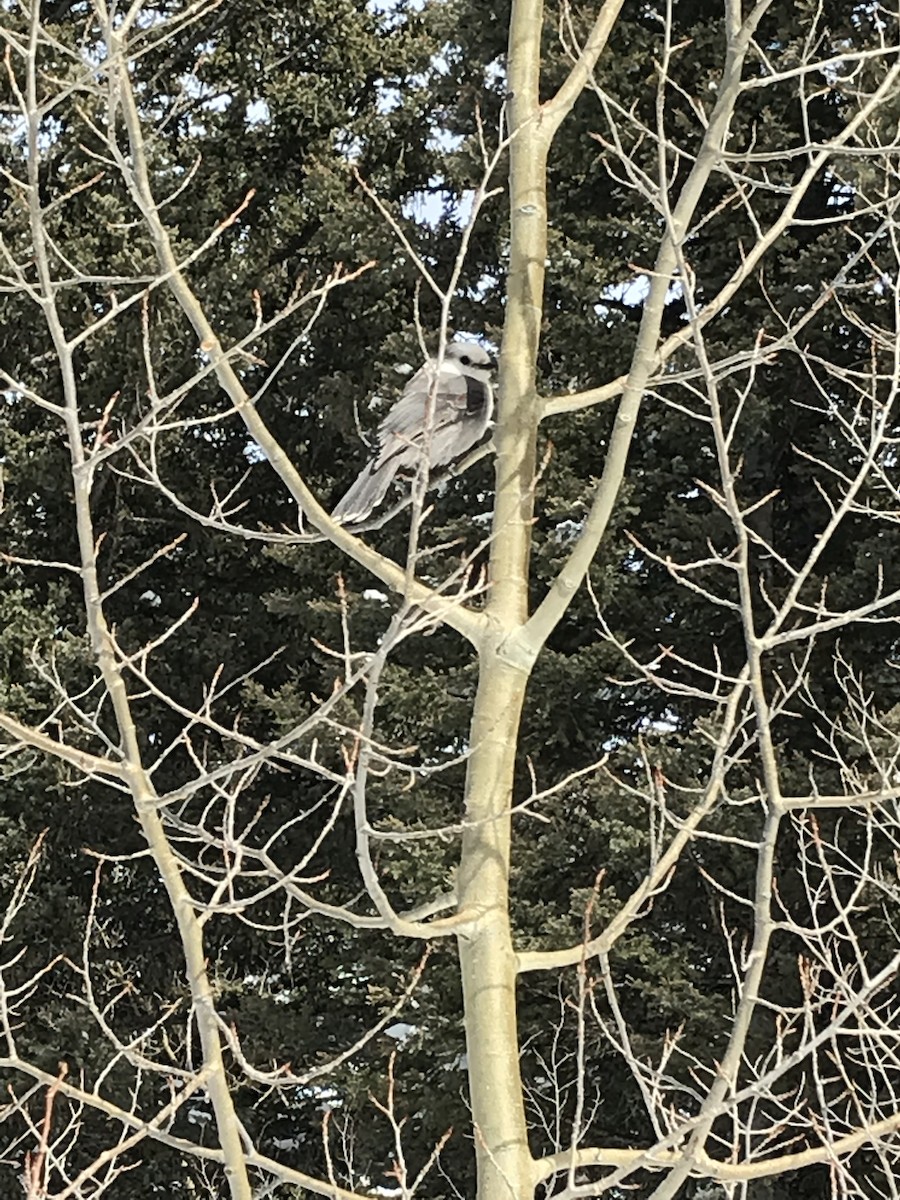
<point x="471" y="359"/>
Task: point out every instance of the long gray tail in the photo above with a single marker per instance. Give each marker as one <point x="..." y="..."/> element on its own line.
<point x="366" y="493"/>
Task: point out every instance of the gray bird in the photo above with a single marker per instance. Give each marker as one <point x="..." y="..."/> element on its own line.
<point x="459" y="401"/>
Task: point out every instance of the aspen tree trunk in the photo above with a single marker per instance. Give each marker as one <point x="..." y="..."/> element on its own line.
<point x="508" y="651"/>
<point x="487" y="958"/>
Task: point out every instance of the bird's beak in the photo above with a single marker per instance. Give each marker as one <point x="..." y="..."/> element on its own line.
<point x="493" y="364"/>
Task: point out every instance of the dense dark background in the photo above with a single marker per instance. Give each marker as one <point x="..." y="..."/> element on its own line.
<point x="278" y="98"/>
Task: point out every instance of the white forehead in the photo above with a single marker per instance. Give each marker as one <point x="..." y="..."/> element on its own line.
<point x="476" y="354"/>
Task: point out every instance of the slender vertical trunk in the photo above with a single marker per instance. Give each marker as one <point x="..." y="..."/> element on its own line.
<point x="487" y="959"/>
<point x="518" y="407"/>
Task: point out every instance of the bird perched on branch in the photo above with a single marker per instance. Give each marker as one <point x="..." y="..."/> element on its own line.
<point x="443" y="412"/>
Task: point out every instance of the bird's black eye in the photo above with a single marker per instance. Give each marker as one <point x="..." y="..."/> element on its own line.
<point x="465" y="360"/>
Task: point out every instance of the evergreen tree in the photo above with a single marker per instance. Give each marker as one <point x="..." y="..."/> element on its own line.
<point x="286" y="141"/>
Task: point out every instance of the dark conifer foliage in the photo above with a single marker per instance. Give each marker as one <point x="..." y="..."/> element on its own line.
<point x="260" y="123"/>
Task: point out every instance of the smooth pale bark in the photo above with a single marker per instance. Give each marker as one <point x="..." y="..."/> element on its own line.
<point x="487" y="959"/>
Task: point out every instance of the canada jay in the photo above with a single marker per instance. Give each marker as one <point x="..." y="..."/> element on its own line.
<point x="441" y="414"/>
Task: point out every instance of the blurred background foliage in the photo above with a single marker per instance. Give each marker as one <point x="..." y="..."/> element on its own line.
<point x="281" y="99"/>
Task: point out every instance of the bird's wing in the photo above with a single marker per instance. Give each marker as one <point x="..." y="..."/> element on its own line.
<point x="458" y="400"/>
<point x="408" y="416"/>
<point x="450" y="442"/>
